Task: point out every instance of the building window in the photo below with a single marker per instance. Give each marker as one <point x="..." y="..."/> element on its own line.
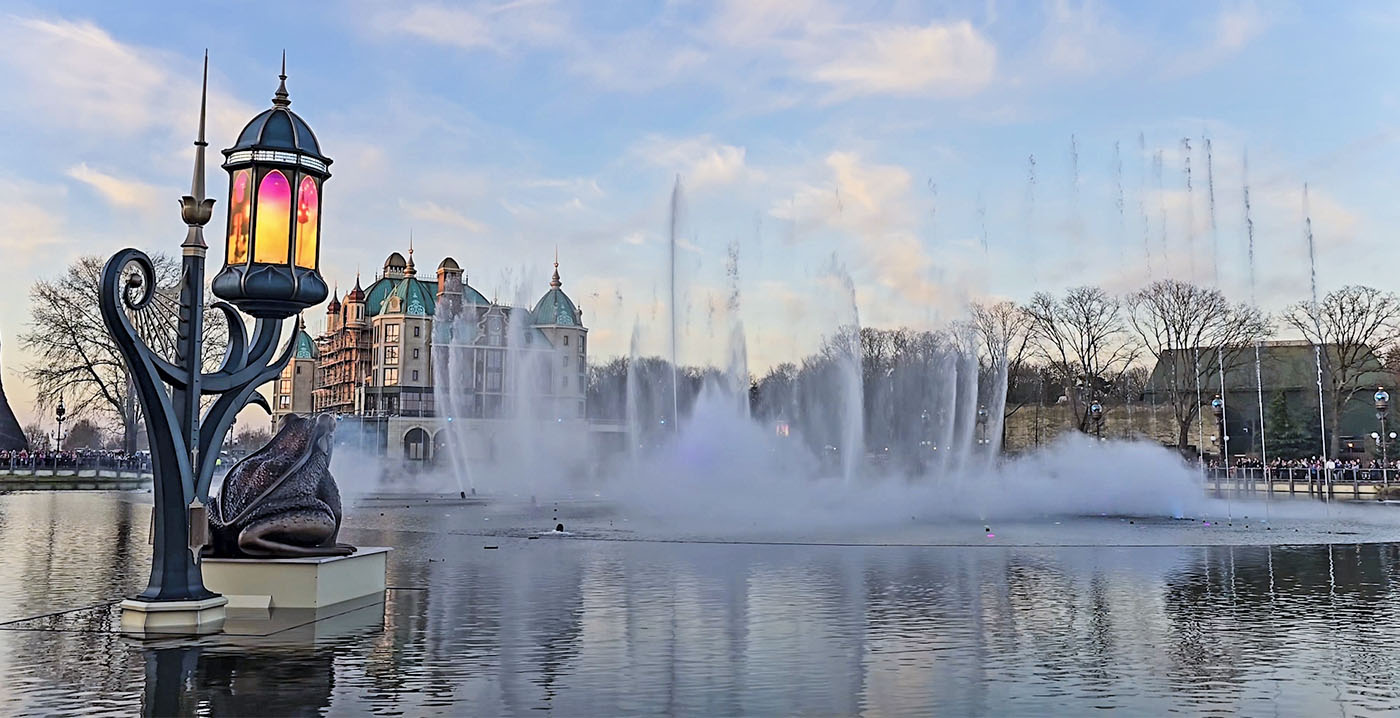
<point x="391" y="355"/>
<point x="415" y="375"/>
<point x="417" y="331"/>
<point x="284" y="402"/>
<point x="286" y="387"/>
<point x="415" y="353"/>
<point x="298" y="369"/>
<point x="565" y="382"/>
<point x="566" y="361"/>
<point x="566" y="340"/>
<point x="391" y="377"/>
<point x="391" y="333"/>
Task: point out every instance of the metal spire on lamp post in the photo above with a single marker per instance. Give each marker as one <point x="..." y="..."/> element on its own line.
<point x="184" y="438"/>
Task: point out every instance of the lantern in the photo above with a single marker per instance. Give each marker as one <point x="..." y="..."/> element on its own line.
<point x="272" y="247"/>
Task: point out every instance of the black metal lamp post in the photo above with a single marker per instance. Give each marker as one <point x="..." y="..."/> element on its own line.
<point x="1217" y="407"/>
<point x="981" y="425"/>
<point x="60" y="413"/>
<point x="1096" y="414"/>
<point x="1382" y="399"/>
<point x="270" y="272"/>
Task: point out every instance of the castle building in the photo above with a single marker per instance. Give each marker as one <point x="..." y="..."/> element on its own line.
<point x="294" y="389"/>
<point x="404" y="357"/>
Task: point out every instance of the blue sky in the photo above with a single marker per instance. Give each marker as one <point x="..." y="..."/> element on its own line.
<point x="882" y="137"/>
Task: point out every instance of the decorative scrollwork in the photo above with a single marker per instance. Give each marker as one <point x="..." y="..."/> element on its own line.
<point x="138" y="287"/>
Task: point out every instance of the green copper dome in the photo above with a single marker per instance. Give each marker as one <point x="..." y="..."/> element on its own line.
<point x="555" y="307"/>
<point x="306" y="346"/>
<point x="411" y="297"/>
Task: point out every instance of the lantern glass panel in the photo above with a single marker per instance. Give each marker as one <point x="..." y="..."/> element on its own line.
<point x="240" y="221"/>
<point x="273" y="233"/>
<point x="308" y="222"/>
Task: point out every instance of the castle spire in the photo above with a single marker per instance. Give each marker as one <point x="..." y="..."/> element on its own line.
<point x="410" y="270"/>
<point x="554" y="282"/>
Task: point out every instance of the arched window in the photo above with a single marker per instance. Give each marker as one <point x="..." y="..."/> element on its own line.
<point x="274" y="219"/>
<point x="240" y="219"/>
<point x="308" y="222"/>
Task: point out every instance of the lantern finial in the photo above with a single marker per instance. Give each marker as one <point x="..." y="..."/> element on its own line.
<point x="281" y="98"/>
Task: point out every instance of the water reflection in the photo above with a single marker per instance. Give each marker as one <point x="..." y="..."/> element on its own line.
<point x="626" y="628"/>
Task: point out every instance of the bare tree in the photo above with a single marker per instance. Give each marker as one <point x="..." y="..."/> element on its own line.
<point x="1353" y="327"/>
<point x="1004" y="331"/>
<point x="74" y="357"/>
<point x="37" y="436"/>
<point x="1194" y="332"/>
<point x="1084" y="341"/>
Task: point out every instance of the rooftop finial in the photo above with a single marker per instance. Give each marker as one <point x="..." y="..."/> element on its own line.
<point x="410" y="270"/>
<point x="281" y="98"/>
<point x="195" y="208"/>
<point x="554" y="282"/>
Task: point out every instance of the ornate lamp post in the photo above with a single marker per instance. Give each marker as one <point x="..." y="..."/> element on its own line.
<point x="1096" y="414"/>
<point x="60" y="413"/>
<point x="1382" y="399"/>
<point x="1217" y="407"/>
<point x="270" y="271"/>
<point x="981" y="425"/>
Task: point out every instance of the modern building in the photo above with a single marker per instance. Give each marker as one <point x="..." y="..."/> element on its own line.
<point x="1287" y="369"/>
<point x="406" y="357"/>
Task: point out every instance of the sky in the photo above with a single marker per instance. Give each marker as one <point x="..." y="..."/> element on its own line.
<point x="935" y="153"/>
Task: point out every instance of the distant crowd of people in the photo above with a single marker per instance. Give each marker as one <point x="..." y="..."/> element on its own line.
<point x="76" y="459"/>
<point x="1311" y="467"/>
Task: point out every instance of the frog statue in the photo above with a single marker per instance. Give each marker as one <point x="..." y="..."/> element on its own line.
<point x="280" y="501"/>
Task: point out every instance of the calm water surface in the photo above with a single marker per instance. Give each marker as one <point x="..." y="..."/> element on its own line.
<point x="581" y="626"/>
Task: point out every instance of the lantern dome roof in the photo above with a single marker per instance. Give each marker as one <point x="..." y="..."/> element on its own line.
<point x="278" y="128"/>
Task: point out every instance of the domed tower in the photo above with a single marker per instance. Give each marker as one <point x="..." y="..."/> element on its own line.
<point x="561" y="322"/>
<point x="355" y="305"/>
<point x="292" y="394"/>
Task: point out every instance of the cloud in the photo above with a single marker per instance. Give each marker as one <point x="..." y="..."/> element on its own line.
<point x="495" y="27"/>
<point x="430" y="211"/>
<point x="935" y="60"/>
<point x="1227" y="34"/>
<point x="76" y="75"/>
<point x="701" y="161"/>
<point x="28" y="218"/>
<point x="122" y="192"/>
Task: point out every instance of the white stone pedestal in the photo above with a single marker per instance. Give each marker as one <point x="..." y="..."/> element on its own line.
<point x="164" y="618"/>
<point x="316" y="582"/>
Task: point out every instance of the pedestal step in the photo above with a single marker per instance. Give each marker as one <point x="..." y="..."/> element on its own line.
<point x="297" y="582"/>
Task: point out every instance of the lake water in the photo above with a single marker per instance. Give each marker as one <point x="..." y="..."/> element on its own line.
<point x="622" y="617"/>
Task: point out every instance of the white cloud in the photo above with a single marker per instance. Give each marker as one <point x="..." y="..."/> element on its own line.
<point x="76" y="75"/>
<point x="935" y="60"/>
<point x="496" y="27"/>
<point x="122" y="192"/>
<point x="1227" y="34"/>
<point x="430" y="211"/>
<point x="701" y="161"/>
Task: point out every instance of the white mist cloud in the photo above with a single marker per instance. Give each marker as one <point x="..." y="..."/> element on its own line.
<point x="936" y="60"/>
<point x="125" y="192"/>
<point x="430" y="211"/>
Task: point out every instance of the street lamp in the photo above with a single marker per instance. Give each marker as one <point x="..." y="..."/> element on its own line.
<point x="1217" y="407"/>
<point x="276" y="171"/>
<point x="60" y="413"/>
<point x="1096" y="414"/>
<point x="981" y="424"/>
<point x="1382" y="399"/>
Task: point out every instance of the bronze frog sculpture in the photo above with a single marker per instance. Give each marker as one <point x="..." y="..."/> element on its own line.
<point x="280" y="501"/>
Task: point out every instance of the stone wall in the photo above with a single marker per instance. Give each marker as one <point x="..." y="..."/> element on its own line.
<point x="1027" y="427"/>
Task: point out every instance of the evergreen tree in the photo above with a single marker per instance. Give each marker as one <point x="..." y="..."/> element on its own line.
<point x="1285" y="437"/>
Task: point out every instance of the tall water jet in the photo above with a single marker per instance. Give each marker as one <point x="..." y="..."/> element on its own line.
<point x="1210" y="198"/>
<point x="1118" y="203"/>
<point x="982" y="220"/>
<point x="737" y="365"/>
<point x="1254" y="301"/>
<point x="1142" y="205"/>
<point x="1029" y="211"/>
<point x="1190" y="209"/>
<point x="671" y="236"/>
<point x="632" y="389"/>
<point x="1316" y="317"/>
<point x="1158" y="170"/>
<point x="850" y="376"/>
<point x="454" y="333"/>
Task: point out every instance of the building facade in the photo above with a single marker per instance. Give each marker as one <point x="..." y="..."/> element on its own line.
<point x="406" y="358"/>
<point x="294" y="391"/>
